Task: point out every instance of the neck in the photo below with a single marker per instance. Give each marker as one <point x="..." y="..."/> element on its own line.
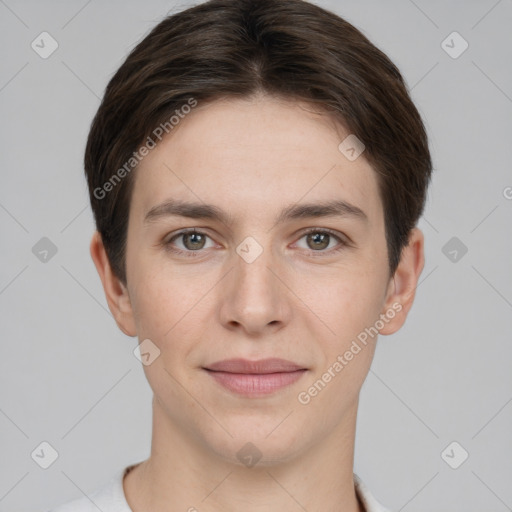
<point x="183" y="474"/>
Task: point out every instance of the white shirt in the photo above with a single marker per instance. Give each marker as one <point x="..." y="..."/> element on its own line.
<point x="110" y="497"/>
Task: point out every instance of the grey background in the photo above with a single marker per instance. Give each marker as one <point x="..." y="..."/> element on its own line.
<point x="68" y="375"/>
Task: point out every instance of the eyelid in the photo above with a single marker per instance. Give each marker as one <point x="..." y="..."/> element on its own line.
<point x="340" y="236"/>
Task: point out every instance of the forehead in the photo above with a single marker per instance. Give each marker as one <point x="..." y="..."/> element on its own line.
<point x="252" y="155"/>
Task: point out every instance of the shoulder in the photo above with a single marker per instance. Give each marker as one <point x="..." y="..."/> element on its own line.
<point x="107" y="498"/>
<point x="369" y="502"/>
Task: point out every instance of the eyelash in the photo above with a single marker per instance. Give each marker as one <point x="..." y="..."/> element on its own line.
<point x="194" y="254"/>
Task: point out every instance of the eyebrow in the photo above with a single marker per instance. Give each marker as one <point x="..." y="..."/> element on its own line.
<point x="335" y="208"/>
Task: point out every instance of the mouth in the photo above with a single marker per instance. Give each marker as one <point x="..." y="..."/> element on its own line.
<point x="255" y="378"/>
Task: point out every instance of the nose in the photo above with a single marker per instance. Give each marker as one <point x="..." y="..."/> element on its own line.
<point x="255" y="298"/>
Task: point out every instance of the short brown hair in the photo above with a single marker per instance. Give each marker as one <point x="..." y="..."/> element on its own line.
<point x="237" y="48"/>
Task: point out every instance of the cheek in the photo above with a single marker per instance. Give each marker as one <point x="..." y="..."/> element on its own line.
<point x="349" y="305"/>
<point x="167" y="304"/>
<point x="161" y="316"/>
<point x="148" y="307"/>
<point x="344" y="300"/>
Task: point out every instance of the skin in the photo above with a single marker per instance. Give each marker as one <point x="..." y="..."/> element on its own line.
<point x="251" y="158"/>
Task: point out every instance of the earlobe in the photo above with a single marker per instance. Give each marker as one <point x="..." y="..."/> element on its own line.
<point x="402" y="287"/>
<point x="116" y="292"/>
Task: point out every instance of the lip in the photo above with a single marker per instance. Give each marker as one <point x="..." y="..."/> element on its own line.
<point x="261" y="366"/>
<point x="255" y="378"/>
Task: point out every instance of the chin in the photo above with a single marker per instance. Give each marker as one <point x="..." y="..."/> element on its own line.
<point x="262" y="445"/>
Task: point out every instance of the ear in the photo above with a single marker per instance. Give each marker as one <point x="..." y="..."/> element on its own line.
<point x="115" y="291"/>
<point x="402" y="286"/>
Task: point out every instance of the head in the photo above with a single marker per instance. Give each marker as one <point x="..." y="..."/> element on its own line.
<point x="244" y="107"/>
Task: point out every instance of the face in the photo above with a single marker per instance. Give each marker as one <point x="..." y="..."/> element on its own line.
<point x="264" y="275"/>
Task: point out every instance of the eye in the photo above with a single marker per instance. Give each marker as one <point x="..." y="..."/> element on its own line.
<point x="190" y="241"/>
<point x="318" y="240"/>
